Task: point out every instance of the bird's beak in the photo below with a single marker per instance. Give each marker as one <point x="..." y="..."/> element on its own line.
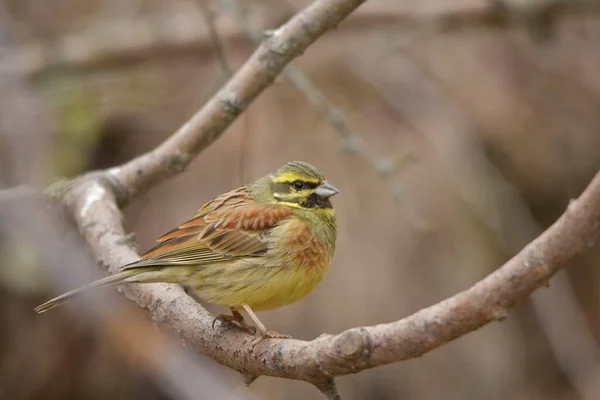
<point x="326" y="190"/>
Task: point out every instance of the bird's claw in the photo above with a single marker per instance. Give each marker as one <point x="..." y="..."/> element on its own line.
<point x="248" y="328"/>
<point x="222" y="320"/>
<point x="268" y="335"/>
<point x="232" y="320"/>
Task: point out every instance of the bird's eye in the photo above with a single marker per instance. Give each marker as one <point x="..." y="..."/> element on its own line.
<point x="298" y="185"/>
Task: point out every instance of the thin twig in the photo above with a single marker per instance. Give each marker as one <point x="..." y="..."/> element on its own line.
<point x="351" y="142"/>
<point x="217" y="40"/>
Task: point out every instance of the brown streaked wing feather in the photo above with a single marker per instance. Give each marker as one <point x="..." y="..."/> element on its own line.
<point x="180" y="245"/>
<point x="235" y="198"/>
<point x="184" y="238"/>
<point x="182" y="231"/>
<point x="229" y="226"/>
<point x="241" y="231"/>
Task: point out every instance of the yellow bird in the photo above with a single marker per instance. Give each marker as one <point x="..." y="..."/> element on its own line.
<point x="255" y="248"/>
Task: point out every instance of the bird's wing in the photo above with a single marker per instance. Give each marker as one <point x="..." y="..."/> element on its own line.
<point x="229" y="226"/>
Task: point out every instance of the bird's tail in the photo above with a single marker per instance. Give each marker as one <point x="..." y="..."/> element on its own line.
<point x="112" y="280"/>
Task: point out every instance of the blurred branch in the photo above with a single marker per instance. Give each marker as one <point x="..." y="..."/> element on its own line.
<point x="511" y="14"/>
<point x="117" y="43"/>
<point x="138" y="39"/>
<point x="351" y="142"/>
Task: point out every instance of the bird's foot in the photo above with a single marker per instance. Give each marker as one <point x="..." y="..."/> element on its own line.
<point x="234" y="320"/>
<point x="268" y="335"/>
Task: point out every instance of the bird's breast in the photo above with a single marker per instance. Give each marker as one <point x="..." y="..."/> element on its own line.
<point x="298" y="246"/>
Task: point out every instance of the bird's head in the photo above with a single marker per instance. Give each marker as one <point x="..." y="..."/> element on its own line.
<point x="296" y="184"/>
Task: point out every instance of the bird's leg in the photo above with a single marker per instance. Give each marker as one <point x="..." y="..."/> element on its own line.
<point x="236" y="317"/>
<point x="240" y="320"/>
<point x="264" y="333"/>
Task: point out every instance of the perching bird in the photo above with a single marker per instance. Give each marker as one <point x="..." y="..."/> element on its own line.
<point x="258" y="247"/>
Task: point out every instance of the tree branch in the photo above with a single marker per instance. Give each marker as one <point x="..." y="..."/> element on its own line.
<point x="356" y="349"/>
<point x="261" y="69"/>
<point x="93" y="201"/>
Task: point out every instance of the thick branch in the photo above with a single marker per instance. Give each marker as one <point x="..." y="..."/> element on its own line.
<point x="356" y="349"/>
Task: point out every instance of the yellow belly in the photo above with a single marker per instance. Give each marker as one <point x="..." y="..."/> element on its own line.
<point x="257" y="285"/>
<point x="296" y="262"/>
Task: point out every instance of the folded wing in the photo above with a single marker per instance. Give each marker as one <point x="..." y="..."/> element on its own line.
<point x="230" y="226"/>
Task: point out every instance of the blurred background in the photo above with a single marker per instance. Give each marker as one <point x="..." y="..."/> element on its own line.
<point x="456" y="132"/>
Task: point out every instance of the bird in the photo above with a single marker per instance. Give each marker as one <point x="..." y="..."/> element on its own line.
<point x="255" y="248"/>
